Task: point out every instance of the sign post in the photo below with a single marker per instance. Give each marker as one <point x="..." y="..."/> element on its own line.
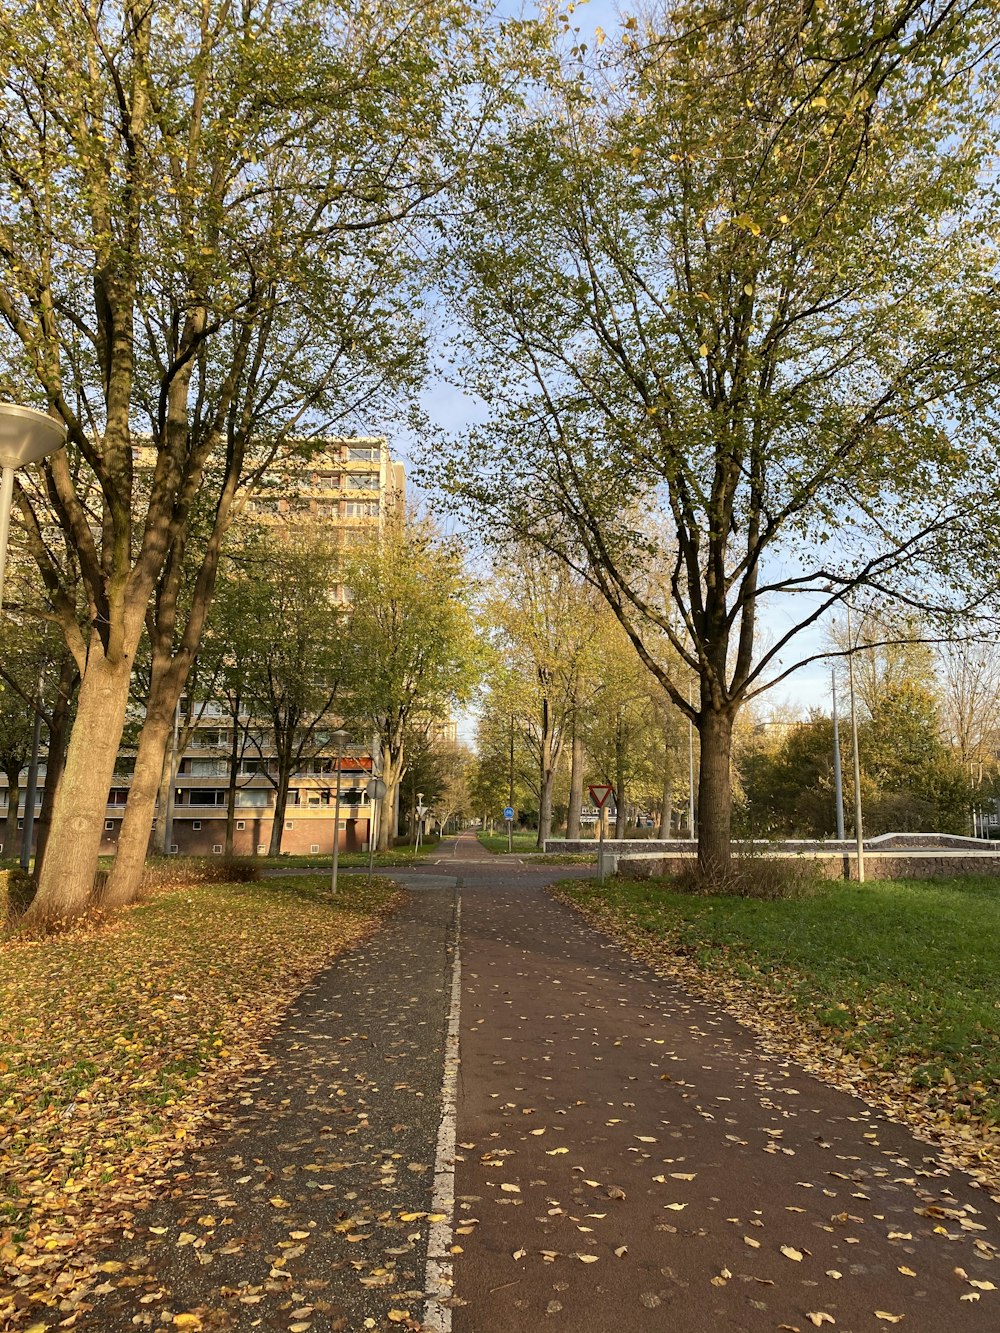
<point x="600" y="794"/>
<point x="508" y="814"/>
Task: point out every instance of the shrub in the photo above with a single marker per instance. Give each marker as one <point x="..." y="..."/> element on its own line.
<point x="751" y="875"/>
<point x="17" y="889"/>
<point x="181" y="871"/>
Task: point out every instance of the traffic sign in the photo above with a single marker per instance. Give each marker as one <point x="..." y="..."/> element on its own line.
<point x="508" y="812"/>
<point x="375" y="789"/>
<point x="600" y="794"/>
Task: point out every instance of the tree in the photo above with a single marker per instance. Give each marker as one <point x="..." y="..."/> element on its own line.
<point x="454" y="800"/>
<point x="913" y="781"/>
<point x="789" y="785"/>
<point x="545" y="621"/>
<point x="288" y="671"/>
<point x="201" y="252"/>
<point x="739" y="278"/>
<point x="969" y="675"/>
<point x="414" y="655"/>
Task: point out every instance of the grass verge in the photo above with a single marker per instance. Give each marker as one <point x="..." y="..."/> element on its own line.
<point x="890" y="987"/>
<point x="116" y="1041"/>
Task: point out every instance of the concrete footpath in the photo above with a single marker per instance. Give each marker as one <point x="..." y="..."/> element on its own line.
<point x="607" y="1154"/>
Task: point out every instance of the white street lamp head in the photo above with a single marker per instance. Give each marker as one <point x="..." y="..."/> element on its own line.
<point x="26" y="435"/>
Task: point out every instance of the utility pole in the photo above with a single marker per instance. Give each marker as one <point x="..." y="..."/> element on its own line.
<point x="838" y="777"/>
<point x="858" y="828"/>
<point x="691" y="832"/>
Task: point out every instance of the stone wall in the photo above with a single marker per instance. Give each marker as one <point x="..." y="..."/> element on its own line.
<point x="878" y="865"/>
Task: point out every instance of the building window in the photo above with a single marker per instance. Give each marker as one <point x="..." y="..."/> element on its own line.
<point x="249" y="797"/>
<point x="362" y="481"/>
<point x="109" y="825"/>
<point x="217" y="848"/>
<point x="207" y="768"/>
<point x="289" y="824"/>
<point x="240" y="825"/>
<point x="361" y="509"/>
<point x="118" y="796"/>
<point x="363" y="453"/>
<point x="261" y="848"/>
<point x="173" y="847"/>
<point x="196" y="823"/>
<point x="314" y="846"/>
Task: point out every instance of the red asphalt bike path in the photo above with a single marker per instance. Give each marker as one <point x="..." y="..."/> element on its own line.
<point x="630" y="1158"/>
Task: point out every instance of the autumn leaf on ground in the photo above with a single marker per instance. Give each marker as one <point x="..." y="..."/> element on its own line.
<point x="887" y="1317"/>
<point x="820" y="1317"/>
<point x="790" y="1252"/>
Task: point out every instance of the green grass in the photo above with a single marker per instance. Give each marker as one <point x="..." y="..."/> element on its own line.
<point x="522" y="842"/>
<point x="903" y="975"/>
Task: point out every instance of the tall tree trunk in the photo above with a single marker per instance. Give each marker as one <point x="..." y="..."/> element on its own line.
<point x="621" y="813"/>
<point x="125" y="881"/>
<point x="67" y="880"/>
<point x="56" y="754"/>
<point x="10" y="841"/>
<point x="392" y="772"/>
<point x="234" y="765"/>
<point x="546" y="777"/>
<point x="285" y="747"/>
<point x="715" y="794"/>
<point x="165" y="688"/>
<point x="167" y="776"/>
<point x="575" y="783"/>
<point x="666" y="800"/>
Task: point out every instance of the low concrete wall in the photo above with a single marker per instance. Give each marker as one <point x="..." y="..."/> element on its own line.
<point x="878" y="865"/>
<point x="888" y="856"/>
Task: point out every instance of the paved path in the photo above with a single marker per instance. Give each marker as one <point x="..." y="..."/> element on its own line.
<point x="623" y="1157"/>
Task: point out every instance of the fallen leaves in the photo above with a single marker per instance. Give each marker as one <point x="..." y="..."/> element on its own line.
<point x="127" y="1035"/>
<point x="790" y="1252"/>
<point x="819" y="1318"/>
<point x="888" y="1318"/>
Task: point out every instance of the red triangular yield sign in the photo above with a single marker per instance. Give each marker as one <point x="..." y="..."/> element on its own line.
<point x="600" y="793"/>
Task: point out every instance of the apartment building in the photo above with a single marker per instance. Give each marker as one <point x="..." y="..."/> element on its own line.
<point x="344" y="486"/>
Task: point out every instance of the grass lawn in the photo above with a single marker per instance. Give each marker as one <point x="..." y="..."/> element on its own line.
<point x="522" y="841"/>
<point x="899" y="981"/>
<point x="115" y="1040"/>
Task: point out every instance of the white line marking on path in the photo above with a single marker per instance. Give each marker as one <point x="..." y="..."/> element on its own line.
<point x="438" y="1280"/>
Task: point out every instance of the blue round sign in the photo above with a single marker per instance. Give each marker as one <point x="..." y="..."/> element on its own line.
<point x="508" y="812"/>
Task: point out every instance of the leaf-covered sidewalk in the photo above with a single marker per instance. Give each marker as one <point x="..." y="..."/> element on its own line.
<point x="116" y="1043"/>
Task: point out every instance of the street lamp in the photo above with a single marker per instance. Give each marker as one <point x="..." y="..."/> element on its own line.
<point x="26" y="435"/>
<point x="858" y="825"/>
<point x="340" y="736"/>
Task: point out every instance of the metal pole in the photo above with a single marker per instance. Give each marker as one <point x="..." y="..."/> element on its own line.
<point x="168" y="812"/>
<point x="838" y="777"/>
<point x="858" y="826"/>
<point x="6" y="500"/>
<point x="32" y="787"/>
<point x="690" y="770"/>
<point x="600" y="846"/>
<point x="336" y="822"/>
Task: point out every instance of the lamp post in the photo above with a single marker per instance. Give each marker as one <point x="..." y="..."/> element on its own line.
<point x="26" y="436"/>
<point x="691" y="828"/>
<point x="340" y="736"/>
<point x="838" y="781"/>
<point x="858" y="829"/>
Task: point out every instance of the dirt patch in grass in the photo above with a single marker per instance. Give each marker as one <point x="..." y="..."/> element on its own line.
<point x="117" y="1041"/>
<point x="890" y="989"/>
